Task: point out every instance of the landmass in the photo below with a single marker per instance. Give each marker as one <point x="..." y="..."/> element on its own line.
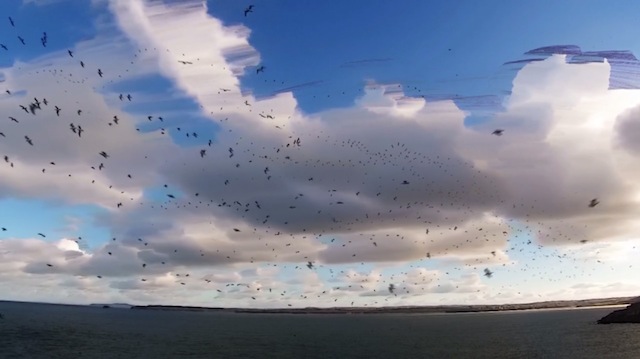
<point x="113" y="305"/>
<point x="630" y="314"/>
<point x="565" y="304"/>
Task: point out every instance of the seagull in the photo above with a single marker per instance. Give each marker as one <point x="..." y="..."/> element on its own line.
<point x="104" y="154"/>
<point x="260" y="69"/>
<point x="11" y="21"/>
<point x="70" y="53"/>
<point x="487" y="273"/>
<point x="309" y="265"/>
<point x="248" y="10"/>
<point x="497" y="132"/>
<point x="100" y="72"/>
<point x="4" y="47"/>
<point x="21" y="40"/>
<point x="594" y="202"/>
<point x="392" y="287"/>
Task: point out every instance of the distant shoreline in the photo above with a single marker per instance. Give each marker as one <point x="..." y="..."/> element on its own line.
<point x="440" y="309"/>
<point x="448" y="309"/>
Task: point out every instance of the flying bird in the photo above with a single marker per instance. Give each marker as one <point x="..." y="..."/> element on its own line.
<point x="497" y="132"/>
<point x="248" y="10"/>
<point x="487" y="273"/>
<point x="594" y="202"/>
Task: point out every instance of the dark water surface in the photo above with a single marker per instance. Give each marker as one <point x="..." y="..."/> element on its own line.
<point x="49" y="331"/>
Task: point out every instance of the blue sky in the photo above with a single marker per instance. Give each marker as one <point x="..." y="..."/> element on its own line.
<point x="320" y="57"/>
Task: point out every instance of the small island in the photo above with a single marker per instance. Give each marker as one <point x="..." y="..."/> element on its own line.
<point x="112" y="305"/>
<point x="630" y="314"/>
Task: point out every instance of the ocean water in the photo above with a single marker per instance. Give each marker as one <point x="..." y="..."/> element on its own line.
<point x="49" y="331"/>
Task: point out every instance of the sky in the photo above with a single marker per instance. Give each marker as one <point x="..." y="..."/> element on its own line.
<point x="317" y="153"/>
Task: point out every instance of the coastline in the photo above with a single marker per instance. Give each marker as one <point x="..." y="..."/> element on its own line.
<point x="446" y="309"/>
<point x="599" y="303"/>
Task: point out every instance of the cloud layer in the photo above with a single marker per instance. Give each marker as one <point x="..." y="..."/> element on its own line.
<point x="389" y="182"/>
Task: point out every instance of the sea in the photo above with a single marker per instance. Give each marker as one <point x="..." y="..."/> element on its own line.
<point x="54" y="331"/>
